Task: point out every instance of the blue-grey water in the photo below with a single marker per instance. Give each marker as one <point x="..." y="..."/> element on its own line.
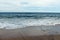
<point x="47" y="21"/>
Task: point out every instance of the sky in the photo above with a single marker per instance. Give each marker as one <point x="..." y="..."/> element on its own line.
<point x="29" y="5"/>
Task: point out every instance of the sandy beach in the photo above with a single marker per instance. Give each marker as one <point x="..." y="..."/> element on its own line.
<point x="28" y="33"/>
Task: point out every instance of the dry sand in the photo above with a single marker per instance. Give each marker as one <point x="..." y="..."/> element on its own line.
<point x="28" y="33"/>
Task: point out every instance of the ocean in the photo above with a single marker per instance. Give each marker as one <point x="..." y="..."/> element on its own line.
<point x="13" y="20"/>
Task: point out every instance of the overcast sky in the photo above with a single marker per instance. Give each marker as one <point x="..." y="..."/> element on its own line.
<point x="29" y="5"/>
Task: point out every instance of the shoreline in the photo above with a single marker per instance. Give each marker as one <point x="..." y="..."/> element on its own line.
<point x="28" y="33"/>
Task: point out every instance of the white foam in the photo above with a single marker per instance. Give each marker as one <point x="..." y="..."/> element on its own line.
<point x="20" y="23"/>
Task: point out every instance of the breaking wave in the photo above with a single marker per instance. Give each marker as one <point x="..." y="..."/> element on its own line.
<point x="12" y="21"/>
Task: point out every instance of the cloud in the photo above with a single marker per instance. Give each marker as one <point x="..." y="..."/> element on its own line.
<point x="41" y="2"/>
<point x="29" y="5"/>
<point x="42" y="5"/>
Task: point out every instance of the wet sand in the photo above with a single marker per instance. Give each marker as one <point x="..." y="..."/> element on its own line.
<point x="28" y="33"/>
<point x="43" y="37"/>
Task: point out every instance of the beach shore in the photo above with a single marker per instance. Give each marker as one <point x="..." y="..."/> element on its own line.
<point x="28" y="33"/>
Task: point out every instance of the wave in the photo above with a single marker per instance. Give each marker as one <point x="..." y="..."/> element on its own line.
<point x="28" y="15"/>
<point x="12" y="21"/>
<point x="21" y="23"/>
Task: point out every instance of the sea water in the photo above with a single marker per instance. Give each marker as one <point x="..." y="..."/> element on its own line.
<point x="15" y="20"/>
